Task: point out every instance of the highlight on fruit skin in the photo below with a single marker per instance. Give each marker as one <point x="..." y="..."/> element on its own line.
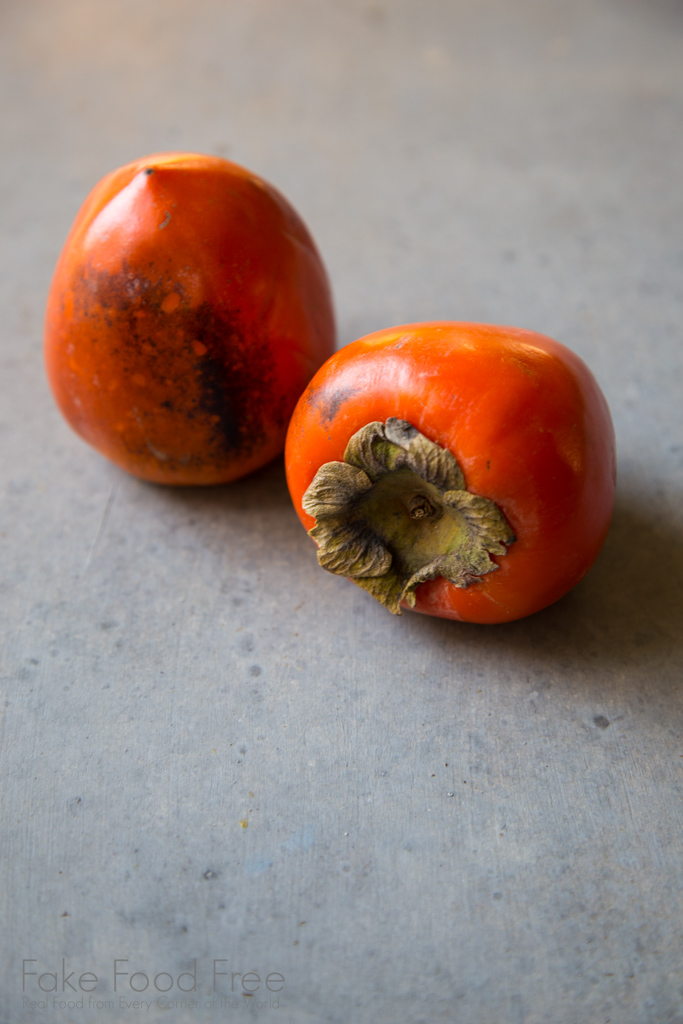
<point x="464" y="470"/>
<point x="188" y="310"/>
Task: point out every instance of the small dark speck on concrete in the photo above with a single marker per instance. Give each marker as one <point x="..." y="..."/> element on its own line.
<point x="209" y="875"/>
<point x="255" y="670"/>
<point x="601" y="721"/>
<point x="497" y="895"/>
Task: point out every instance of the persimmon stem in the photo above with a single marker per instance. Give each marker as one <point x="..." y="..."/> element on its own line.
<point x="396" y="513"/>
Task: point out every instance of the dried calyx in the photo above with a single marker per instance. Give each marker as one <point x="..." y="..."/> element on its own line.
<point x="396" y="513"/>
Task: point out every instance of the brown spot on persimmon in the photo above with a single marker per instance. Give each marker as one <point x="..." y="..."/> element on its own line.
<point x="217" y="372"/>
<point x="329" y="401"/>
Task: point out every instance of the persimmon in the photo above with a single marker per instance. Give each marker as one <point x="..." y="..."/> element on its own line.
<point x="188" y="310"/>
<point x="463" y="470"/>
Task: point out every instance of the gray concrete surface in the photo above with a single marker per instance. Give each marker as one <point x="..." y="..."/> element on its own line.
<point x="445" y="822"/>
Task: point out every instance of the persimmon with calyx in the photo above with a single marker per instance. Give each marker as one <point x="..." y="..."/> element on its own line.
<point x="463" y="470"/>
<point x="188" y="310"/>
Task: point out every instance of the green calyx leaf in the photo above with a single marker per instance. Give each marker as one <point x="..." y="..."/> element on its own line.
<point x="396" y="513"/>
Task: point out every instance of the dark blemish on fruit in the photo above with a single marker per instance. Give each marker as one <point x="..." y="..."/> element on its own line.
<point x="329" y="400"/>
<point x="149" y="170"/>
<point x="214" y="385"/>
<point x="235" y="375"/>
<point x="217" y="373"/>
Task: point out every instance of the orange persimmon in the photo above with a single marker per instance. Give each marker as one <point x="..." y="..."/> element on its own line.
<point x="465" y="470"/>
<point x="188" y="310"/>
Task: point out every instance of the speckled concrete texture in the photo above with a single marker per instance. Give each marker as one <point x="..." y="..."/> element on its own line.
<point x="444" y="823"/>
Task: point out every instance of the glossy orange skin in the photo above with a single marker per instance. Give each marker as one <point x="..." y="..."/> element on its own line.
<point x="188" y="310"/>
<point x="526" y="421"/>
